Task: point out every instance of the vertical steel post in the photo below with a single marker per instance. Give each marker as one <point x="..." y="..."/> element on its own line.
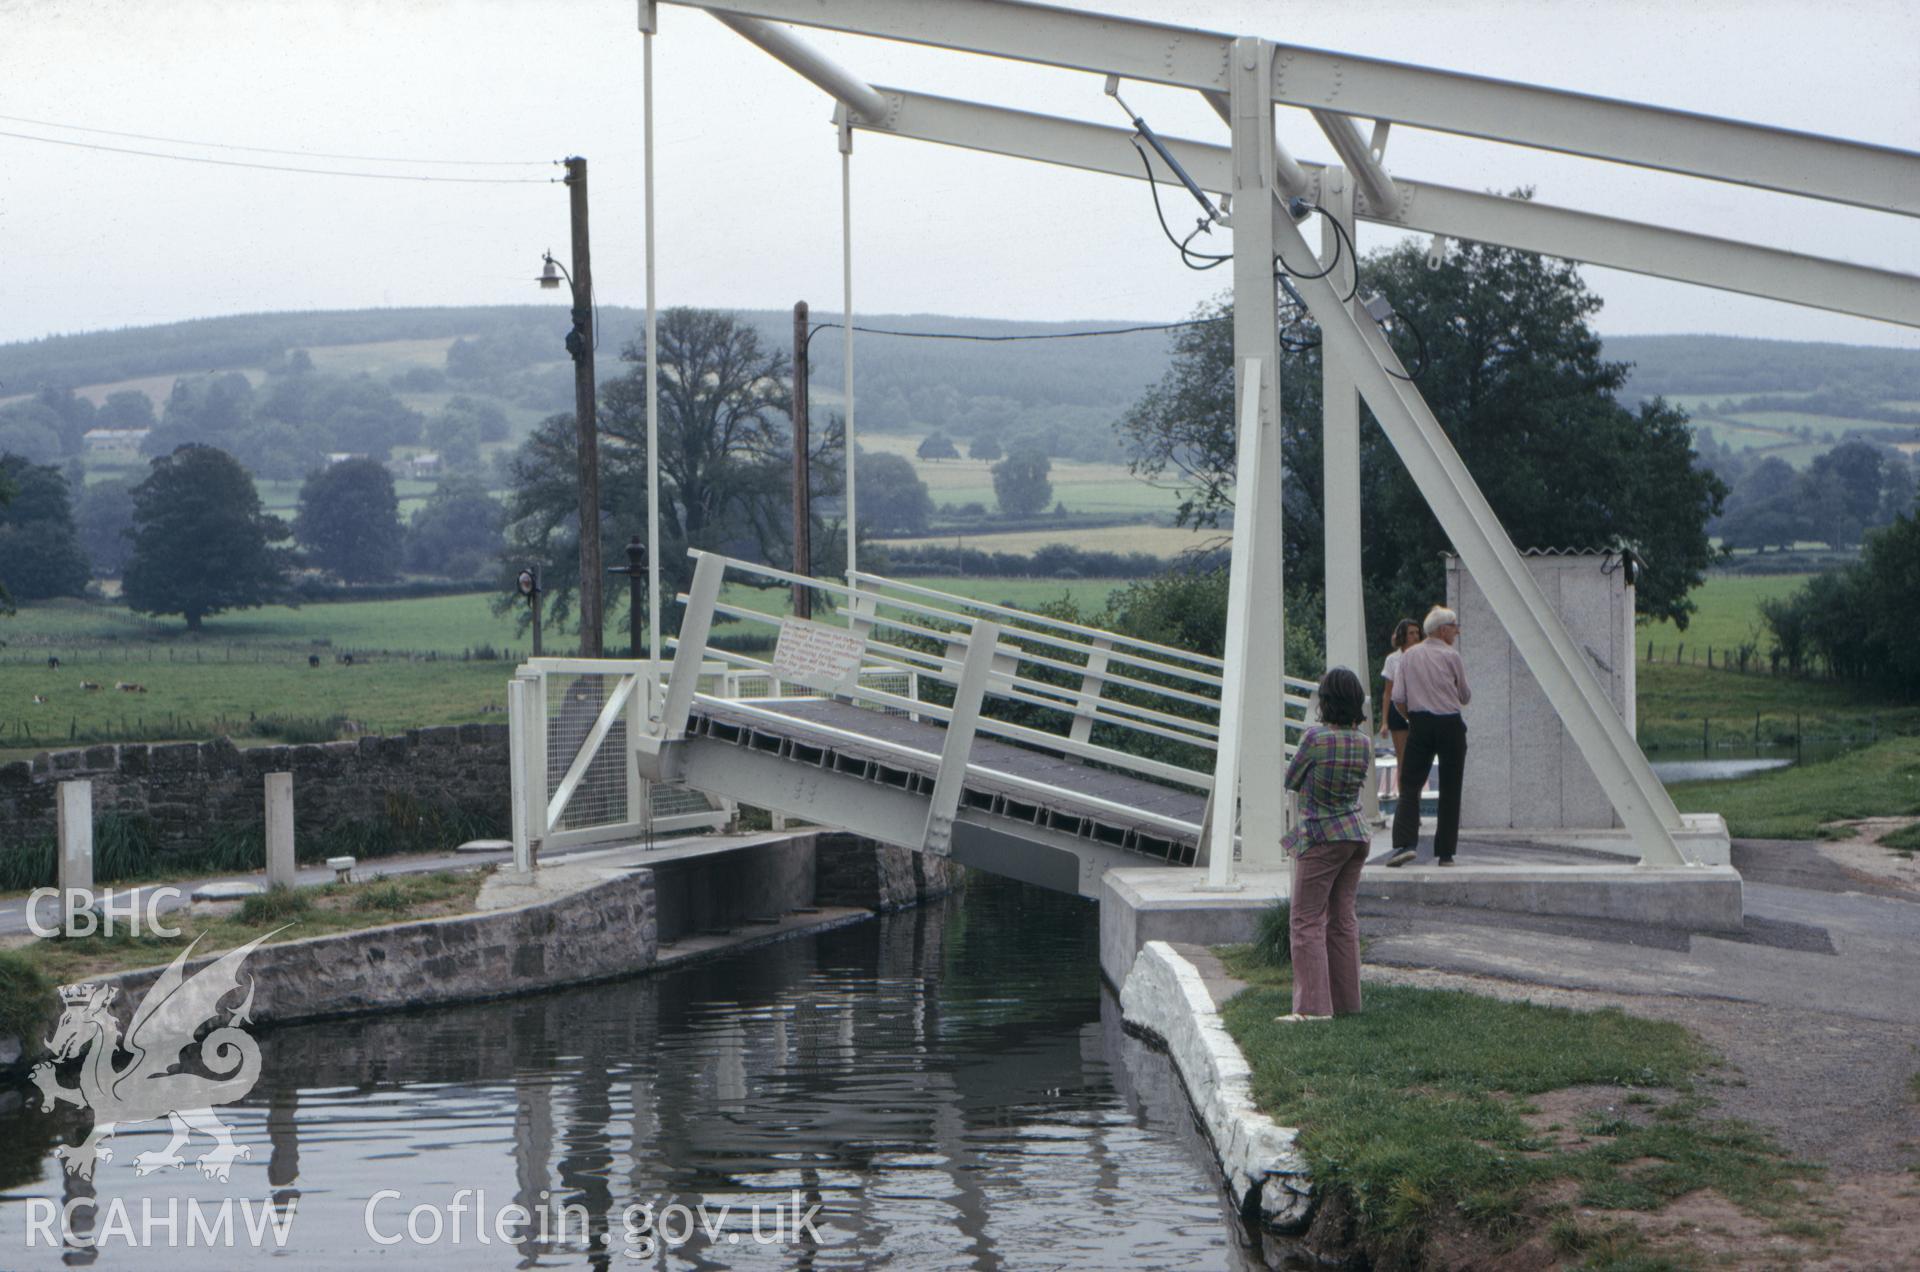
<point x="1256" y="337"/>
<point x="649" y="23"/>
<point x="518" y="777"/>
<point x="1340" y="469"/>
<point x="1217" y="827"/>
<point x="580" y="345"/>
<point x="846" y="323"/>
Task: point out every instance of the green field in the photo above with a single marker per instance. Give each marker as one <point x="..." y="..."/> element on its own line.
<point x="1728" y="613"/>
<point x="1107" y="489"/>
<point x="246" y="673"/>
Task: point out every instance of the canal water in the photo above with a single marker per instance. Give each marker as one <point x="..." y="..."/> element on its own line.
<point x="946" y="1087"/>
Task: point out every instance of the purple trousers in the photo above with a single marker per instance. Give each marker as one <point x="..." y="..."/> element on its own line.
<point x="1325" y="931"/>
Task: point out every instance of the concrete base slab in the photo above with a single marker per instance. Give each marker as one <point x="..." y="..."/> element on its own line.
<point x="1702" y="839"/>
<point x="485" y="846"/>
<point x="1137" y="906"/>
<point x="227" y="890"/>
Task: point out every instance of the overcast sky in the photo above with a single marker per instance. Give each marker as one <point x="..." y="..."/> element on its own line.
<point x="748" y="173"/>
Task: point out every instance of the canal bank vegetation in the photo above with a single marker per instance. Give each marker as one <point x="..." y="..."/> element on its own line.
<point x="285" y="914"/>
<point x="1807" y="801"/>
<point x="1452" y="1129"/>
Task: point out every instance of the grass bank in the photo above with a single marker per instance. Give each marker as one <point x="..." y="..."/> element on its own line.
<point x="1447" y="1123"/>
<point x="1882" y="780"/>
<point x="300" y="912"/>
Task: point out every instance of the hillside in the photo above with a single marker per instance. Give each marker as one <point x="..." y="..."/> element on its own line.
<point x="1786" y="398"/>
<point x="1782" y="398"/>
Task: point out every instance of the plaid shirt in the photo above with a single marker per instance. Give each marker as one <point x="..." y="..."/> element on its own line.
<point x="1329" y="770"/>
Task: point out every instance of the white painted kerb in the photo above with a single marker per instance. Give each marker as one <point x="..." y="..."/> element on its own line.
<point x="1165" y="996"/>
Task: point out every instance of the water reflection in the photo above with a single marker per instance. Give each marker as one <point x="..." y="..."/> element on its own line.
<point x="942" y="1088"/>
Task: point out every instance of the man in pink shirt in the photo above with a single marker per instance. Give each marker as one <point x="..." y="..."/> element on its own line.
<point x="1430" y="689"/>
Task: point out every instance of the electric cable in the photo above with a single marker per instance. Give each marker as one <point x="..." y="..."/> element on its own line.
<point x="1039" y="335"/>
<point x="1420" y="342"/>
<point x="1187" y="254"/>
<point x="278" y="167"/>
<point x="274" y="150"/>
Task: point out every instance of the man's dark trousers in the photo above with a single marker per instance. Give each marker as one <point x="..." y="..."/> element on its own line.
<point x="1430" y="735"/>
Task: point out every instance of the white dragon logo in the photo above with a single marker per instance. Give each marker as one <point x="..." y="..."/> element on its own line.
<point x="149" y="1085"/>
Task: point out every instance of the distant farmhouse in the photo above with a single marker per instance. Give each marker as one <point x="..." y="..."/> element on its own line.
<point x="115" y="441"/>
<point x="425" y="464"/>
<point x="341" y="457"/>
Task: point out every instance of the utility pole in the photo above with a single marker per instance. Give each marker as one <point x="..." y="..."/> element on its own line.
<point x="802" y="478"/>
<point x="580" y="343"/>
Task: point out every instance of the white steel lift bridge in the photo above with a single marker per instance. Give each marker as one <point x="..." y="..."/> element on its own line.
<point x="1051" y="751"/>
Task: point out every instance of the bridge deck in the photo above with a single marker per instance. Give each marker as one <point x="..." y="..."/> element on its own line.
<point x="1068" y="807"/>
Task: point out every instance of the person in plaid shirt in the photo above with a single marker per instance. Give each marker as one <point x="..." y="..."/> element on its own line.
<point x="1329" y="846"/>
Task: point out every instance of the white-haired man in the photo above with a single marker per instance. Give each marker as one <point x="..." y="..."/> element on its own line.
<point x="1430" y="690"/>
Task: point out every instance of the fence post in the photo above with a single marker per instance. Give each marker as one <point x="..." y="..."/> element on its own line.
<point x="1705" y="727"/>
<point x="280" y="869"/>
<point x="75" y="816"/>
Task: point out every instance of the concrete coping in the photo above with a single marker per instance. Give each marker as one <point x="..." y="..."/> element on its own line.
<point x="227" y="890"/>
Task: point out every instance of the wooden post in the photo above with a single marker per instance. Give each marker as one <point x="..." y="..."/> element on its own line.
<point x="75" y="816"/>
<point x="802" y="477"/>
<point x="280" y="868"/>
<point x="580" y="346"/>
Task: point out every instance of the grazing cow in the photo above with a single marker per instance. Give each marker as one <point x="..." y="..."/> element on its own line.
<point x="347" y="659"/>
<point x="39" y="699"/>
<point x="53" y="662"/>
<point x="313" y="660"/>
<point x="89" y="686"/>
<point x="127" y="686"/>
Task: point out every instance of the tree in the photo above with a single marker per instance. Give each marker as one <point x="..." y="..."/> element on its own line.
<point x="1020" y="482"/>
<point x="128" y="408"/>
<point x="201" y="541"/>
<point x="986" y="446"/>
<point x="104" y="514"/>
<point x="1513" y="372"/>
<point x="23" y="433"/>
<point x="457" y="532"/>
<point x="893" y="499"/>
<point x="7" y="492"/>
<point x="40" y="554"/>
<point x="937" y="446"/>
<point x="349" y="520"/>
<point x="725" y="459"/>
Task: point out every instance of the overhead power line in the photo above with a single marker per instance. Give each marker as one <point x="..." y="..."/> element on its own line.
<point x="271" y="150"/>
<point x="1038" y="335"/>
<point x="278" y="167"/>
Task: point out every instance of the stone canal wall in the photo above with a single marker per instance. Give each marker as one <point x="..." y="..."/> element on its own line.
<point x="568" y="924"/>
<point x="1173" y="994"/>
<point x="189" y="791"/>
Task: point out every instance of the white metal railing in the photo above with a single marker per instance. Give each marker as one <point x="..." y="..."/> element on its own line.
<point x="575" y="773"/>
<point x="1098" y="696"/>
